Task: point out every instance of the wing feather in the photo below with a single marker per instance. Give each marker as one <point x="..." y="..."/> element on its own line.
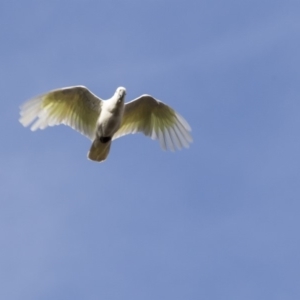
<point x="156" y="120"/>
<point x="74" y="106"/>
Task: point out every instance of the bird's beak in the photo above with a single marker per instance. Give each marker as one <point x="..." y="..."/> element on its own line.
<point x="122" y="94"/>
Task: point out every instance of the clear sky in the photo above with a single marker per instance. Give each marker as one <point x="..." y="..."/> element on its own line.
<point x="217" y="221"/>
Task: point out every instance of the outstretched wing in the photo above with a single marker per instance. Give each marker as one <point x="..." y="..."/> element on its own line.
<point x="74" y="106"/>
<point x="156" y="120"/>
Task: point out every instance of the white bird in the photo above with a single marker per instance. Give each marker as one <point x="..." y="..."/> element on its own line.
<point x="103" y="121"/>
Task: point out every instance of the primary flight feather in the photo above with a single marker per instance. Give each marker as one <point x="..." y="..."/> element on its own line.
<point x="105" y="120"/>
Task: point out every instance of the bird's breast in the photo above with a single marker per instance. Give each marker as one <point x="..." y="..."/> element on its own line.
<point x="108" y="123"/>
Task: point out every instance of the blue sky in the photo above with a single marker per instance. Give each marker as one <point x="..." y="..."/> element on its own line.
<point x="217" y="221"/>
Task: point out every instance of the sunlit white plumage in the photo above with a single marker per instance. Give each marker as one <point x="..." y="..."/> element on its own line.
<point x="103" y="121"/>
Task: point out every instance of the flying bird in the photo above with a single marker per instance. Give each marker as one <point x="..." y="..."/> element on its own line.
<point x="105" y="120"/>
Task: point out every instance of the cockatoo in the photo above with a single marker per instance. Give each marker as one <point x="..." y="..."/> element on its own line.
<point x="103" y="121"/>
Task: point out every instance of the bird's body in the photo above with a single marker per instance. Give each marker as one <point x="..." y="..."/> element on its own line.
<point x="102" y="121"/>
<point x="111" y="116"/>
<point x="108" y="123"/>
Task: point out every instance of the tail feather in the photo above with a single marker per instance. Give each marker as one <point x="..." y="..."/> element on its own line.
<point x="99" y="150"/>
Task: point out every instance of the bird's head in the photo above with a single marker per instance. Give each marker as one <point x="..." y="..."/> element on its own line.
<point x="120" y="94"/>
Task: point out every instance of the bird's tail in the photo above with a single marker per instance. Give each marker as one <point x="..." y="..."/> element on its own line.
<point x="99" y="150"/>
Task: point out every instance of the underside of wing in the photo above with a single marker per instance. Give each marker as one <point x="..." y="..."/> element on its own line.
<point x="156" y="120"/>
<point x="74" y="106"/>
